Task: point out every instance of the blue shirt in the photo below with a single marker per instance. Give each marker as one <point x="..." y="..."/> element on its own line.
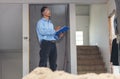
<point x="45" y="30"/>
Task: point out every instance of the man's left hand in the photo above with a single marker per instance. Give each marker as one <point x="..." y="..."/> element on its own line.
<point x="61" y="35"/>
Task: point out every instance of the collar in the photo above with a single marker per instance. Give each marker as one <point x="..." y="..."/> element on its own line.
<point x="44" y="19"/>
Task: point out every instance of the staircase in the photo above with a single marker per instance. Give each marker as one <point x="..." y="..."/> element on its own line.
<point x="89" y="60"/>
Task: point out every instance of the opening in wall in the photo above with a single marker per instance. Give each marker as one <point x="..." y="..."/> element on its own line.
<point x="79" y="38"/>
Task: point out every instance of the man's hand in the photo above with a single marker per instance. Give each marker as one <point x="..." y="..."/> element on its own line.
<point x="57" y="28"/>
<point x="61" y="35"/>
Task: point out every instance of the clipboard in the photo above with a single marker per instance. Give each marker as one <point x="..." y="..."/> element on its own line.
<point x="62" y="30"/>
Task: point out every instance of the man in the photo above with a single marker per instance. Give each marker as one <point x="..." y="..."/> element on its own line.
<point x="45" y="32"/>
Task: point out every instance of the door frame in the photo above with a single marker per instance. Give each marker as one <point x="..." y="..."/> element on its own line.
<point x="110" y="28"/>
<point x="25" y="39"/>
<point x="72" y="23"/>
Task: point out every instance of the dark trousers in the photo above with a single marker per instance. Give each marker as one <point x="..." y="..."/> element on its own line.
<point x="48" y="51"/>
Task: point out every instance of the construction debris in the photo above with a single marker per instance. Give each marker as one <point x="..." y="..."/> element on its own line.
<point x="45" y="73"/>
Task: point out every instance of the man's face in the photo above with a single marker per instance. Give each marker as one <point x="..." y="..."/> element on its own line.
<point x="47" y="12"/>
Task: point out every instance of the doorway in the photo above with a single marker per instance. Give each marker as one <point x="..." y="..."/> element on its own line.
<point x="82" y="24"/>
<point x="59" y="18"/>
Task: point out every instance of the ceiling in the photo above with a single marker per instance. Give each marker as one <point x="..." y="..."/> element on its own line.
<point x="90" y="1"/>
<point x="55" y="1"/>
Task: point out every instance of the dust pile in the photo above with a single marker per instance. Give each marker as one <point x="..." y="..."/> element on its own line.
<point x="45" y="73"/>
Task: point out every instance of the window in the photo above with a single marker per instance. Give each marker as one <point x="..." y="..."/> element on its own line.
<point x="79" y="37"/>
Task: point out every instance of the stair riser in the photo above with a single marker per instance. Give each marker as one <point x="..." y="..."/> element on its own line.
<point x="89" y="61"/>
<point x="87" y="47"/>
<point x="97" y="72"/>
<point x="85" y="63"/>
<point x="91" y="68"/>
<point x="82" y="52"/>
<point x="88" y="57"/>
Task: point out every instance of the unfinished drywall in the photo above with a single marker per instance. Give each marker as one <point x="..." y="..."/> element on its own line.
<point x="111" y="6"/>
<point x="0" y="68"/>
<point x="11" y="64"/>
<point x="10" y="26"/>
<point x="10" y="41"/>
<point x="99" y="34"/>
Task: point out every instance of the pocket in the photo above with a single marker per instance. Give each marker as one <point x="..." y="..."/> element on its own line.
<point x="43" y="44"/>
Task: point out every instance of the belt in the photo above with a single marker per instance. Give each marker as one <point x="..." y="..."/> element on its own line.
<point x="52" y="41"/>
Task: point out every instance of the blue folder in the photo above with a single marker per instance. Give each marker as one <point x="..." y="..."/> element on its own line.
<point x="62" y="30"/>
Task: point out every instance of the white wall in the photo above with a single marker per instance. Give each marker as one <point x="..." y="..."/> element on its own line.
<point x="82" y="9"/>
<point x="111" y="6"/>
<point x="0" y="68"/>
<point x="10" y="64"/>
<point x="10" y="41"/>
<point x="10" y="26"/>
<point x="99" y="30"/>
